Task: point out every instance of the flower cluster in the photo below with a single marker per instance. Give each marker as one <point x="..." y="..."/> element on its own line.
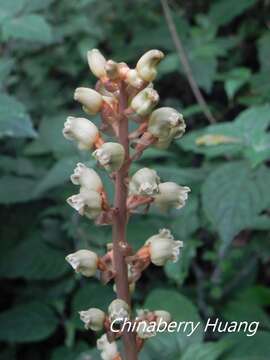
<point x="121" y="94"/>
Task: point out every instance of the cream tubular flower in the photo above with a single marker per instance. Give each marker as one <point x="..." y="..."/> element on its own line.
<point x="97" y="63"/>
<point x="144" y="182"/>
<point x="93" y="319"/>
<point x="87" y="203"/>
<point x="118" y="311"/>
<point x="108" y="350"/>
<point x="86" y="178"/>
<point x="84" y="262"/>
<point x="81" y="130"/>
<point x="165" y="119"/>
<point x="162" y="315"/>
<point x="147" y="64"/>
<point x="133" y="79"/>
<point x="145" y="101"/>
<point x="110" y="155"/>
<point x="90" y="99"/>
<point x="145" y="330"/>
<point x="163" y="247"/>
<point x="171" y="195"/>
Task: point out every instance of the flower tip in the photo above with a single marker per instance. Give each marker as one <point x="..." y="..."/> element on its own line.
<point x="72" y="261"/>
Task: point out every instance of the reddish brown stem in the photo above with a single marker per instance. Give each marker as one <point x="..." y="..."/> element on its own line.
<point x="120" y="223"/>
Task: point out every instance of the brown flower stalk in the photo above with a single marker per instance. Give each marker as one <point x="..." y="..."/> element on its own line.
<point x="120" y="245"/>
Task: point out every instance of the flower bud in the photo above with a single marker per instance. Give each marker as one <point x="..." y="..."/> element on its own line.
<point x="144" y="101"/>
<point x="163" y="247"/>
<point x="146" y="65"/>
<point x="133" y="79"/>
<point x="110" y="155"/>
<point x="97" y="63"/>
<point x="108" y="350"/>
<point x="162" y="315"/>
<point x="164" y="119"/>
<point x="112" y="69"/>
<point x="144" y="182"/>
<point x="87" y="178"/>
<point x="93" y="319"/>
<point x="81" y="130"/>
<point x="84" y="262"/>
<point x="87" y="202"/>
<point x="118" y="311"/>
<point x="89" y="98"/>
<point x="171" y="195"/>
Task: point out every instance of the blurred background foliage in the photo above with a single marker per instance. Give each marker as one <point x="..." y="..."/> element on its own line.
<point x="224" y="269"/>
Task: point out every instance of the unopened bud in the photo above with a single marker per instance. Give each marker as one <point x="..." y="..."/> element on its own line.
<point x="87" y="203"/>
<point x="118" y="311"/>
<point x="112" y="69"/>
<point x="84" y="262"/>
<point x="110" y="155"/>
<point x="87" y="178"/>
<point x="108" y="349"/>
<point x="147" y="64"/>
<point x="163" y="247"/>
<point x="97" y="63"/>
<point x="81" y="130"/>
<point x="93" y="319"/>
<point x="164" y="119"/>
<point x="89" y="98"/>
<point x="145" y="101"/>
<point x="144" y="182"/>
<point x="133" y="79"/>
<point x="171" y="195"/>
<point x="162" y="315"/>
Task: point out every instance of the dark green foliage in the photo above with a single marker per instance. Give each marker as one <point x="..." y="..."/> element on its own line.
<point x="225" y="224"/>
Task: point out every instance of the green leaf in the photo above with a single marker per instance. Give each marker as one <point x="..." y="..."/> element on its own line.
<point x="233" y="195"/>
<point x="20" y="166"/>
<point x="209" y="351"/>
<point x="37" y="5"/>
<point x="181" y="309"/>
<point x="28" y="27"/>
<point x="244" y="135"/>
<point x="264" y="51"/>
<point x="33" y="259"/>
<point x="9" y="9"/>
<point x="224" y="11"/>
<point x="179" y="270"/>
<point x="182" y="175"/>
<point x="203" y="68"/>
<point x="14" y="120"/>
<point x="6" y="65"/>
<point x="15" y="189"/>
<point x="57" y="175"/>
<point x="244" y="310"/>
<point x="249" y="305"/>
<point x="182" y="228"/>
<point x="27" y="323"/>
<point x="51" y="139"/>
<point x="255" y="347"/>
<point x="91" y="295"/>
<point x="78" y="352"/>
<point x="235" y="79"/>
